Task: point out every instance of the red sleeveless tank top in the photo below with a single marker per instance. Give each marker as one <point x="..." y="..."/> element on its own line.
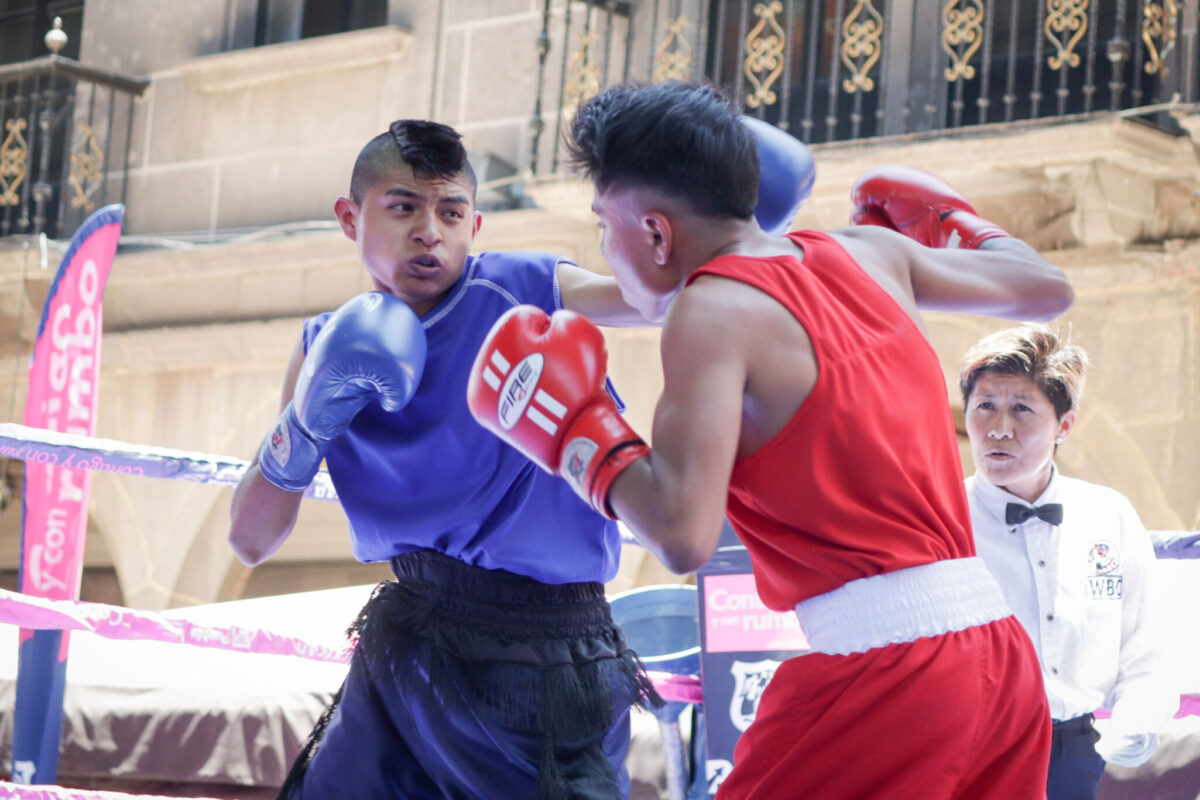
<point x="866" y="478"/>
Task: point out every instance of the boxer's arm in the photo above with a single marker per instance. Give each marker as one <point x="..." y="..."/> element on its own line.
<point x="953" y="259"/>
<point x="597" y="297"/>
<point x="1004" y="278"/>
<point x="263" y="515"/>
<point x="674" y="499"/>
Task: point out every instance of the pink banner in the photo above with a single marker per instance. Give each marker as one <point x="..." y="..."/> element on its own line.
<point x="737" y="621"/>
<point x="63" y="375"/>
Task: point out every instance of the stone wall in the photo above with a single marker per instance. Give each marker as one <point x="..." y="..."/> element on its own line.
<point x="197" y="335"/>
<point x="232" y="137"/>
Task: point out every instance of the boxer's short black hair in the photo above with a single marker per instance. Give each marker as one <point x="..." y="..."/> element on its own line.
<point x="432" y="149"/>
<point x="685" y="140"/>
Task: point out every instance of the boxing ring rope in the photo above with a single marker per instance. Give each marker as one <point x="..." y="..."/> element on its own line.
<point x="20" y="792"/>
<point x="109" y="455"/>
<point x="56" y="449"/>
<point x="52" y="448"/>
<point x="114" y="622"/>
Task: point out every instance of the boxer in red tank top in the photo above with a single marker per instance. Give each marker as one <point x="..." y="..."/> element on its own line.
<point x="802" y="399"/>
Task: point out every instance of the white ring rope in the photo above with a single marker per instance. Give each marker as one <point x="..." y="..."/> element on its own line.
<point x="52" y="448"/>
<point x="41" y="446"/>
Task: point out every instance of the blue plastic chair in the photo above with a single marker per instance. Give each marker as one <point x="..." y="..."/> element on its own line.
<point x="662" y="623"/>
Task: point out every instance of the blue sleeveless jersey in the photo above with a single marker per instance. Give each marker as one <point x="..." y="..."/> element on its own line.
<point x="430" y="477"/>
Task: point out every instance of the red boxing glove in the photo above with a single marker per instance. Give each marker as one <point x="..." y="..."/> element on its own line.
<point x="921" y="206"/>
<point x="538" y="384"/>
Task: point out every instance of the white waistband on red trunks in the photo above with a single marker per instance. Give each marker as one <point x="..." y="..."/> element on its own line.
<point x="902" y="606"/>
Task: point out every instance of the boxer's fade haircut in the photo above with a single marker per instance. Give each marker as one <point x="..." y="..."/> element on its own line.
<point x="1056" y="366"/>
<point x="432" y="149"/>
<point x="686" y="140"/>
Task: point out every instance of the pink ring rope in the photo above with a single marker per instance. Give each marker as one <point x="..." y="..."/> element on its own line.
<point x="41" y="792"/>
<point x="115" y="622"/>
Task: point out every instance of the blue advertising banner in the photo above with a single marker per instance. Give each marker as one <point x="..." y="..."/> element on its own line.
<point x="742" y="643"/>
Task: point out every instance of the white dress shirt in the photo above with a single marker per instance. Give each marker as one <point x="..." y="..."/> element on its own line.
<point x="1085" y="592"/>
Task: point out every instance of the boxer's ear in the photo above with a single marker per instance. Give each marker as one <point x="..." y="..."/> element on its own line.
<point x="658" y="228"/>
<point x="346" y="212"/>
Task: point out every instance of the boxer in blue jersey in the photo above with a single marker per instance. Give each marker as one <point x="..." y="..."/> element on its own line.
<point x="490" y="667"/>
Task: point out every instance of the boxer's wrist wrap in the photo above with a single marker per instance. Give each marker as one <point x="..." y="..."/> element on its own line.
<point x="289" y="457"/>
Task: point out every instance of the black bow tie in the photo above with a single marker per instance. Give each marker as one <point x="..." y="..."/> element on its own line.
<point x="1016" y="513"/>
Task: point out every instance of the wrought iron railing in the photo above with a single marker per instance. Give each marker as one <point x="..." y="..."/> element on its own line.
<point x="836" y="70"/>
<point x="65" y="132"/>
<point x="594" y="47"/>
<point x="847" y="69"/>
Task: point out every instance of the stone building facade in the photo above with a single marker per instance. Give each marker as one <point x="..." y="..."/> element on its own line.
<point x="237" y="153"/>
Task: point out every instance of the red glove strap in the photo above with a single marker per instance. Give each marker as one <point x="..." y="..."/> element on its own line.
<point x="972" y="230"/>
<point x="614" y="465"/>
<point x="599" y="444"/>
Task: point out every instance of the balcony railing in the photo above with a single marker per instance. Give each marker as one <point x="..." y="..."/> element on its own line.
<point x="837" y="70"/>
<point x="64" y="143"/>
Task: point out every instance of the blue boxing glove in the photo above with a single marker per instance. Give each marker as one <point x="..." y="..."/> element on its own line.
<point x="371" y="349"/>
<point x="786" y="175"/>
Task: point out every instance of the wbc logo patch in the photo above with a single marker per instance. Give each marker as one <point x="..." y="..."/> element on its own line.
<point x="1104" y="576"/>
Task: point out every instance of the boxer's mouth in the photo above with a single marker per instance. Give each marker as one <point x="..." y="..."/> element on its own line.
<point x="426" y="263"/>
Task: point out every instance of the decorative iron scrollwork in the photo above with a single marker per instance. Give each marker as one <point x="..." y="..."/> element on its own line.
<point x="673" y="57"/>
<point x="87" y="163"/>
<point x="583" y="73"/>
<point x="862" y="44"/>
<point x="962" y="35"/>
<point x="1159" y="28"/>
<point x="764" y="54"/>
<point x="13" y="154"/>
<point x="1066" y="22"/>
